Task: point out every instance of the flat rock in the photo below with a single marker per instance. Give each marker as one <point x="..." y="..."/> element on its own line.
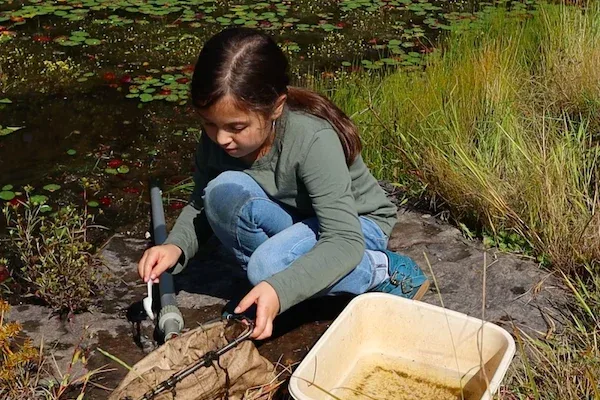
<point x="518" y="293"/>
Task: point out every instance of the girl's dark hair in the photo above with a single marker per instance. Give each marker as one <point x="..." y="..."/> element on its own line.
<point x="248" y="65"/>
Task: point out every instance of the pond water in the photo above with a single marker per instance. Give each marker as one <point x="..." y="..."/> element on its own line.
<point x="97" y="89"/>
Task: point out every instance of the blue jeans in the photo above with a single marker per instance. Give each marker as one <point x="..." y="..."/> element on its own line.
<point x="266" y="238"/>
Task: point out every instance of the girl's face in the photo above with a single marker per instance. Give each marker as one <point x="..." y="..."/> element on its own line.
<point x="242" y="134"/>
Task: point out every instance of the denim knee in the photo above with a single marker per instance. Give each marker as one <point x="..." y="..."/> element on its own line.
<point x="221" y="193"/>
<point x="265" y="262"/>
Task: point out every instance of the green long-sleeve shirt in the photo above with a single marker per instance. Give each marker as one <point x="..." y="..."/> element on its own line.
<point x="306" y="170"/>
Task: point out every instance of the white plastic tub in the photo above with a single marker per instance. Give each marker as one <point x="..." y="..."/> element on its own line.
<point x="380" y="339"/>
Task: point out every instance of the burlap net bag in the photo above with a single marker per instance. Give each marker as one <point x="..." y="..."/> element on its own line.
<point x="235" y="372"/>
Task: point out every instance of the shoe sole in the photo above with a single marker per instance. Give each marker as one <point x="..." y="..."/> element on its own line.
<point x="422" y="290"/>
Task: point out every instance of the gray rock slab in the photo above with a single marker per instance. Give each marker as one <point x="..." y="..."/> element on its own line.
<point x="517" y="291"/>
<point x="60" y="337"/>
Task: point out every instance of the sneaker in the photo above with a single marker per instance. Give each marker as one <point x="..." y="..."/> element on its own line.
<point x="406" y="278"/>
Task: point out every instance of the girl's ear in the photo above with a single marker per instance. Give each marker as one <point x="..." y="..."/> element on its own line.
<point x="279" y="104"/>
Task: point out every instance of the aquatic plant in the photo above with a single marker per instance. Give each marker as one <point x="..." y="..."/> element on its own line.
<point x="56" y="260"/>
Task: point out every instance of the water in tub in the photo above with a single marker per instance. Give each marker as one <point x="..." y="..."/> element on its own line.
<point x="387" y="378"/>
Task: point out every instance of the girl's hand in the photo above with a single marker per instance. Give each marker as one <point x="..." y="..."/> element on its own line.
<point x="157" y="260"/>
<point x="267" y="307"/>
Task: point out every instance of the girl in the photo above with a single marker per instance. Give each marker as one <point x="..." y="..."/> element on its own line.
<point x="280" y="181"/>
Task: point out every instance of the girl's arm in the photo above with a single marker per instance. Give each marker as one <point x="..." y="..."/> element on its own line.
<point x="341" y="243"/>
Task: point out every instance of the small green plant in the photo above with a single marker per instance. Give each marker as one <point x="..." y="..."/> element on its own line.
<point x="57" y="264"/>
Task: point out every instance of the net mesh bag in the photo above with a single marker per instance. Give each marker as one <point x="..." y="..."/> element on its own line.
<point x="229" y="377"/>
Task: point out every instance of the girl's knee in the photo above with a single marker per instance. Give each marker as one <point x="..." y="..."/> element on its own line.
<point x="222" y="192"/>
<point x="265" y="262"/>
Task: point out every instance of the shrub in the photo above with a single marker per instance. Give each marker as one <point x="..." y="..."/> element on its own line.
<point x="55" y="255"/>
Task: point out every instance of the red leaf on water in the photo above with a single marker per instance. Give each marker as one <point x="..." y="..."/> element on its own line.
<point x="17" y="201"/>
<point x="115" y="163"/>
<point x="3" y="28"/>
<point x="340" y="24"/>
<point x="165" y="92"/>
<point x="373" y="41"/>
<point x="15" y="18"/>
<point x="41" y="38"/>
<point x="188" y="69"/>
<point x="4" y="274"/>
<point x="183" y="80"/>
<point x="109" y="76"/>
<point x="126" y="79"/>
<point x="176" y="205"/>
<point x="105" y="201"/>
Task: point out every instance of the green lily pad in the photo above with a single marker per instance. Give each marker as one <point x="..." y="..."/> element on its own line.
<point x="52" y="187"/>
<point x="93" y="204"/>
<point x="123" y="169"/>
<point x="45" y="208"/>
<point x="7" y="187"/>
<point x="5" y="101"/>
<point x="38" y="199"/>
<point x="77" y="38"/>
<point x="93" y="42"/>
<point x="111" y="171"/>
<point x="7" y="195"/>
<point x="71" y="152"/>
<point x="146" y="97"/>
<point x="69" y="43"/>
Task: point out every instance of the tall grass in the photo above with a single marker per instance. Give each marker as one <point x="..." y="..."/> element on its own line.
<point x="502" y="125"/>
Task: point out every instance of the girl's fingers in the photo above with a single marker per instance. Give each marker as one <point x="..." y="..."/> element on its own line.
<point x="151" y="261"/>
<point x="268" y="331"/>
<point x="141" y="264"/>
<point x="261" y="324"/>
<point x="246" y="302"/>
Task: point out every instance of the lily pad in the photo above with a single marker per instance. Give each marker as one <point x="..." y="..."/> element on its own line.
<point x="93" y="204"/>
<point x="7" y="195"/>
<point x="5" y="101"/>
<point x="123" y="169"/>
<point x="38" y="199"/>
<point x="52" y="187"/>
<point x="71" y="152"/>
<point x="146" y="97"/>
<point x="111" y="171"/>
<point x="93" y="42"/>
<point x="7" y="187"/>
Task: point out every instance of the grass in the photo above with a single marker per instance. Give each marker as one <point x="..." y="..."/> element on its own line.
<point x="502" y="126"/>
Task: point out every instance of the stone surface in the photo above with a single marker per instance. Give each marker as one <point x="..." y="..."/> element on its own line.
<point x="517" y="292"/>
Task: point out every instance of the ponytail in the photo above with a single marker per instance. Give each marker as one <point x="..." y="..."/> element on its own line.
<point x="299" y="99"/>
